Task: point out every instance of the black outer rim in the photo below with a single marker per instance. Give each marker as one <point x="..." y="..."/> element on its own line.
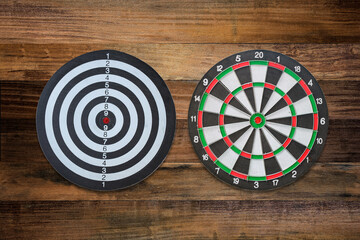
<point x="316" y="150"/>
<point x="154" y="163"/>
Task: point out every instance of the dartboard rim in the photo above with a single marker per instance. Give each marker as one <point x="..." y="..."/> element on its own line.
<point x="288" y="62"/>
<point x="166" y="142"/>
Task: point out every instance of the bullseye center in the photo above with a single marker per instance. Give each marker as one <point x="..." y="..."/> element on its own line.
<point x="258" y="120"/>
<point x="106" y="120"/>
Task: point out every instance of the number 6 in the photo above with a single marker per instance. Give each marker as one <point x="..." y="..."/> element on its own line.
<point x="322" y="121"/>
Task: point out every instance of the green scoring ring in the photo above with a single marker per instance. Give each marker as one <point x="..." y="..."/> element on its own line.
<point x="292" y="110"/>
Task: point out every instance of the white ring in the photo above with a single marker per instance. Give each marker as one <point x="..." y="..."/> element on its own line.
<point x="111" y="147"/>
<point x="112" y="176"/>
<point x="112" y="93"/>
<point x="92" y="120"/>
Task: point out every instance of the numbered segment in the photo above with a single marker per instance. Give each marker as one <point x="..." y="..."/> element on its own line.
<point x="105" y="120"/>
<point x="258" y="120"/>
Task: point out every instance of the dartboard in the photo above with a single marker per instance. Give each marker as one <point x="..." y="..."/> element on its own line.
<point x="105" y="120"/>
<point x="258" y="120"/>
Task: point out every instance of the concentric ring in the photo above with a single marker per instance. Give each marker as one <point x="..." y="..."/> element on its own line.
<point x="141" y="111"/>
<point x="255" y="117"/>
<point x="251" y="119"/>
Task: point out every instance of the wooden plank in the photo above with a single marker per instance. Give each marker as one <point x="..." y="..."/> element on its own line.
<point x="18" y="137"/>
<point x="19" y="98"/>
<point x="179" y="22"/>
<point x="180" y="220"/>
<point x="181" y="40"/>
<point x="23" y="179"/>
<point x="18" y="130"/>
<point x="38" y="62"/>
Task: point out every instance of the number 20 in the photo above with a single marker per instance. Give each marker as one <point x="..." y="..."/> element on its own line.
<point x="259" y="54"/>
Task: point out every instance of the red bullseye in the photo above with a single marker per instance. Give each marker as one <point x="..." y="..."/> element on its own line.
<point x="106" y="120"/>
<point x="257" y="120"/>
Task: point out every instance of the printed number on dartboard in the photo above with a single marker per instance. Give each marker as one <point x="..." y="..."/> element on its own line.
<point x="100" y="109"/>
<point x="258" y="98"/>
<point x="106" y="115"/>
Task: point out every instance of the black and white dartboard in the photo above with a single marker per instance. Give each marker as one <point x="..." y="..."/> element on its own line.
<point x="105" y="120"/>
<point x="258" y="120"/>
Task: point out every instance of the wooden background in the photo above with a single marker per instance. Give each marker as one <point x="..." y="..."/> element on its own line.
<point x="181" y="40"/>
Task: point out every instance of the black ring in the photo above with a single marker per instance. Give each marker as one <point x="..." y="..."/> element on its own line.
<point x="162" y="150"/>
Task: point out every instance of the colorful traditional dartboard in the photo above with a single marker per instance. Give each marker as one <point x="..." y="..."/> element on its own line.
<point x="105" y="120"/>
<point x="258" y="120"/>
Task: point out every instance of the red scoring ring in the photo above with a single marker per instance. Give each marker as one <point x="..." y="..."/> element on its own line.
<point x="258" y="119"/>
<point x="229" y="98"/>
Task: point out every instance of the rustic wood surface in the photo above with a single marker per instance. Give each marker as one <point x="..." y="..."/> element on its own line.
<point x="181" y="40"/>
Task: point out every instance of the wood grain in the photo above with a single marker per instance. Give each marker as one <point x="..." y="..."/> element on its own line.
<point x="181" y="40"/>
<point x="19" y="101"/>
<point x="184" y="181"/>
<point x="179" y="21"/>
<point x="339" y="161"/>
<point x="181" y="219"/>
<point x="19" y="138"/>
<point x="38" y="62"/>
<point x="20" y="98"/>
